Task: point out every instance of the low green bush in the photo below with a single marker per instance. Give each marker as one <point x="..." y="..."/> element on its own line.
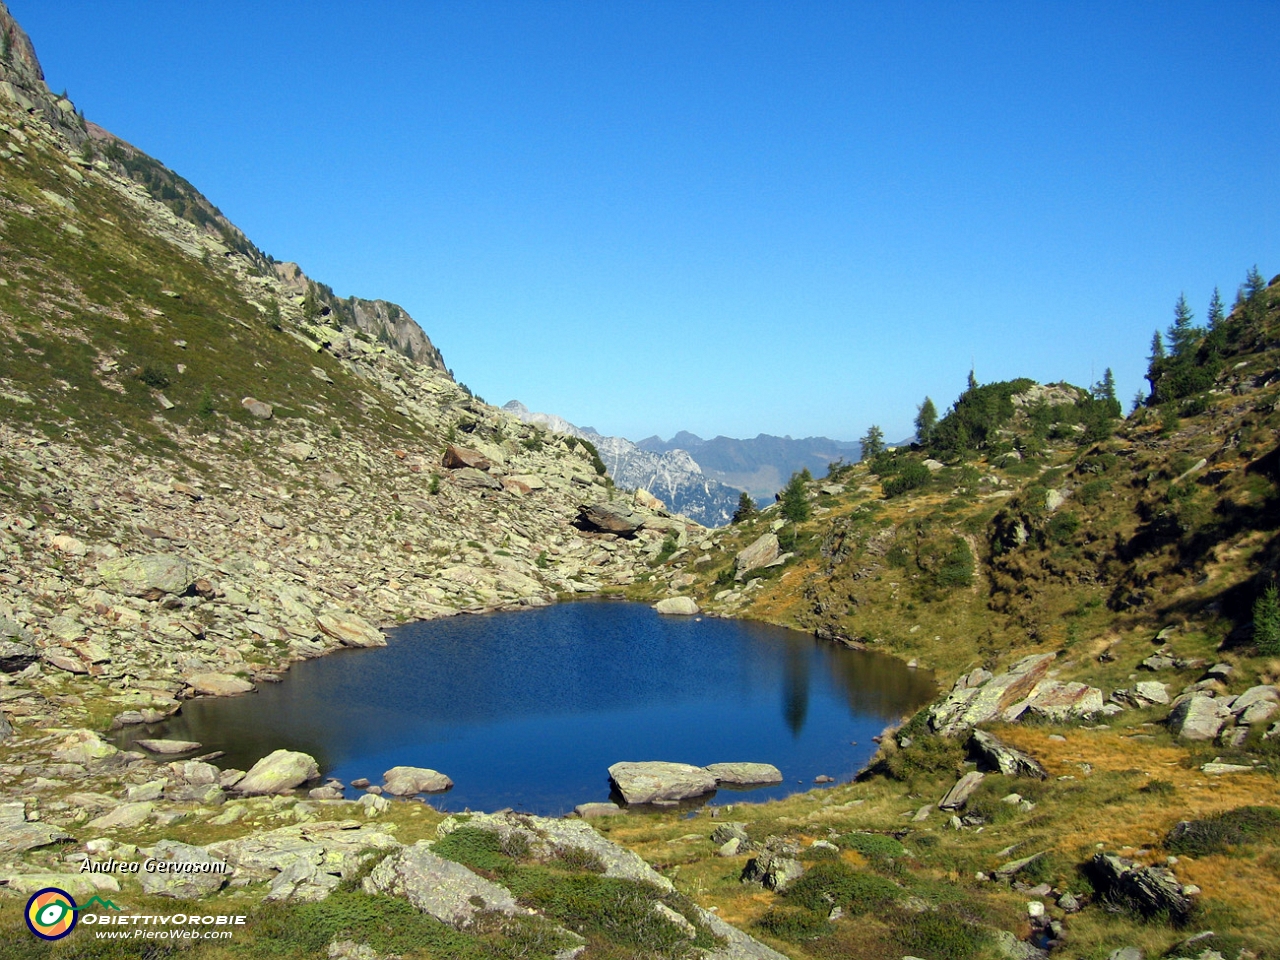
<point x="1217" y="834"/>
<point x="794" y="924"/>
<point x="833" y="883"/>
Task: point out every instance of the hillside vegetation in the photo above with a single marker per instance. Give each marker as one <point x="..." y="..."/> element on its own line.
<point x="1140" y="554"/>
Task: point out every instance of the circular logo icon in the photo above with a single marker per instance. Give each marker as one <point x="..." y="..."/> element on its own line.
<point x="51" y="913"/>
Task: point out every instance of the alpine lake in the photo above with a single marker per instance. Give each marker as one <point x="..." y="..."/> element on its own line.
<point x="528" y="709"/>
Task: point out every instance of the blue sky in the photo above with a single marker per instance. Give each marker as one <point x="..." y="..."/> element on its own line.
<point x="790" y="218"/>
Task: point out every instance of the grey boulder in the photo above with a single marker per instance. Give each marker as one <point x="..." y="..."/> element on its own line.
<point x="744" y="774"/>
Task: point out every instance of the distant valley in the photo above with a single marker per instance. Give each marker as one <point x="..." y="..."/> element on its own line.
<point x="702" y="479"/>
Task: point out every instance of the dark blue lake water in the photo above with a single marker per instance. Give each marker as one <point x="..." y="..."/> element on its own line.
<point x="529" y="709"/>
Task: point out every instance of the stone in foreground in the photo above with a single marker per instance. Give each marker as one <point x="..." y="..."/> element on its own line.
<point x="198" y="875"/>
<point x="678" y="606"/>
<point x="446" y="890"/>
<point x="407" y="781"/>
<point x="656" y="780"/>
<point x="279" y="772"/>
<point x="744" y="774"/>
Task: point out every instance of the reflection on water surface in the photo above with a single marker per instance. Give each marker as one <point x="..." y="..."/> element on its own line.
<point x="529" y="709"/>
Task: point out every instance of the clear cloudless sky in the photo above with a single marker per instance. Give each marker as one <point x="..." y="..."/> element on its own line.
<point x="790" y="217"/>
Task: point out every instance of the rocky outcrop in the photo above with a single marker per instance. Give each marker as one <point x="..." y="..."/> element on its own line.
<point x="446" y="890"/>
<point x="776" y="867"/>
<point x="456" y="457"/>
<point x="654" y="781"/>
<point x="959" y="794"/>
<point x="968" y="705"/>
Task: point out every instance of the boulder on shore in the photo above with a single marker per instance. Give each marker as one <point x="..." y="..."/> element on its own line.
<point x="651" y="781"/>
<point x="350" y="630"/>
<point x="678" y="606"/>
<point x="969" y="705"/>
<point x="279" y="772"/>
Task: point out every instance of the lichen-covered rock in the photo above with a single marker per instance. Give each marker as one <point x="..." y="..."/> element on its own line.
<point x="960" y="793"/>
<point x="188" y="872"/>
<point x="151" y="577"/>
<point x="649" y="781"/>
<point x="446" y="890"/>
<point x="610" y="518"/>
<point x="776" y="866"/>
<point x="219" y="685"/>
<point x="1197" y="717"/>
<point x="84" y="747"/>
<point x="279" y="772"/>
<point x="1149" y="891"/>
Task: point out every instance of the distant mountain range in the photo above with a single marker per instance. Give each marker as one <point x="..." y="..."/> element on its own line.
<point x="761" y="466"/>
<point x="702" y="479"/>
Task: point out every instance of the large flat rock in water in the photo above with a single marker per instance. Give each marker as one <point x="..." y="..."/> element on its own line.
<point x="653" y="780"/>
<point x="407" y="781"/>
<point x="744" y="774"/>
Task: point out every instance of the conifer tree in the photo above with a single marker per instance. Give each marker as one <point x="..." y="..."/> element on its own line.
<point x="926" y="420"/>
<point x="1182" y="335"/>
<point x="1266" y="622"/>
<point x="1157" y="348"/>
<point x="872" y="443"/>
<point x="1253" y="283"/>
<point x="794" y="500"/>
<point x="746" y="508"/>
<point x="1216" y="313"/>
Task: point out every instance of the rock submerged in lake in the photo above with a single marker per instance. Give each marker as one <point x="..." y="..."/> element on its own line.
<point x="279" y="772"/>
<point x="653" y="781"/>
<point x="409" y="781"/>
<point x="168" y="746"/>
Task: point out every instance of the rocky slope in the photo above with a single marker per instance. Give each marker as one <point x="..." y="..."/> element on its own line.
<point x="672" y="476"/>
<point x="211" y="467"/>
